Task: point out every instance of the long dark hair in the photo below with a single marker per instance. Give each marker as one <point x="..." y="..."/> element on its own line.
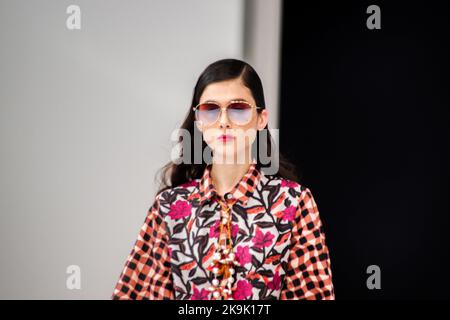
<point x="172" y="174"/>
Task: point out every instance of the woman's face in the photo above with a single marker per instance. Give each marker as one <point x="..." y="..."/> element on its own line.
<point x="236" y="148"/>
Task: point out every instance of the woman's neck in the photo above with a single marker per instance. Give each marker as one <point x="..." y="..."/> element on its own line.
<point x="226" y="176"/>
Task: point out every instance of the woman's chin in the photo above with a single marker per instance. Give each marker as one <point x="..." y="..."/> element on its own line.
<point x="228" y="155"/>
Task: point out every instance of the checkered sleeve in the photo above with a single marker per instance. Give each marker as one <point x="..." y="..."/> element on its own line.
<point x="147" y="274"/>
<point x="308" y="274"/>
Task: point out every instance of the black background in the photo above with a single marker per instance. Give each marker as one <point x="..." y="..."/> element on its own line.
<point x="364" y="117"/>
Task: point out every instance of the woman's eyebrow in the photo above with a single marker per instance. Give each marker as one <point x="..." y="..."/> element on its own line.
<point x="236" y="99"/>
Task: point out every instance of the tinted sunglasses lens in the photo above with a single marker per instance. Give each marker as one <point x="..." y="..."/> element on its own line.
<point x="239" y="113"/>
<point x="208" y="113"/>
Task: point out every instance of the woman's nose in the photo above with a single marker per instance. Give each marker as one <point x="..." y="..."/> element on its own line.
<point x="223" y="120"/>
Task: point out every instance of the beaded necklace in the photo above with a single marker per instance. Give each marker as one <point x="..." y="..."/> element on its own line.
<point x="223" y="259"/>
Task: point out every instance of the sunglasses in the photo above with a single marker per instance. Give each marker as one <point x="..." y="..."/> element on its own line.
<point x="238" y="112"/>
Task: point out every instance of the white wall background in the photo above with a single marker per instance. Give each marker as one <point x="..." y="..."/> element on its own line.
<point x="85" y="123"/>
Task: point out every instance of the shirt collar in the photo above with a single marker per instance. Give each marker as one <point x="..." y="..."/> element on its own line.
<point x="240" y="192"/>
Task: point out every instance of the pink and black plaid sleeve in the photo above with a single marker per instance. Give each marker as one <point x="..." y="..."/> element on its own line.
<point x="147" y="274"/>
<point x="308" y="275"/>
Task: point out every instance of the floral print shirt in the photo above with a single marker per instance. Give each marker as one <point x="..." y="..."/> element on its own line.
<point x="277" y="236"/>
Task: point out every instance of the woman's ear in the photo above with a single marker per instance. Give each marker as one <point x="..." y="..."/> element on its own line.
<point x="263" y="119"/>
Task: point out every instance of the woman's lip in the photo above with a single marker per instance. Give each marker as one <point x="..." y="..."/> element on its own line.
<point x="225" y="137"/>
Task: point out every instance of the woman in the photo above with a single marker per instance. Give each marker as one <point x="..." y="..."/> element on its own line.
<point x="224" y="229"/>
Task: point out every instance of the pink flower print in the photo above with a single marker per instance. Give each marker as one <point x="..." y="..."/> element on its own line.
<point x="243" y="290"/>
<point x="289" y="213"/>
<point x="243" y="255"/>
<point x="234" y="230"/>
<point x="170" y="252"/>
<point x="200" y="295"/>
<point x="288" y="183"/>
<point x="215" y="230"/>
<point x="179" y="209"/>
<point x="275" y="284"/>
<point x="262" y="240"/>
<point x="191" y="183"/>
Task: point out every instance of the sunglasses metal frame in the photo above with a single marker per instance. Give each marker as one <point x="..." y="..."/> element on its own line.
<point x="222" y="108"/>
